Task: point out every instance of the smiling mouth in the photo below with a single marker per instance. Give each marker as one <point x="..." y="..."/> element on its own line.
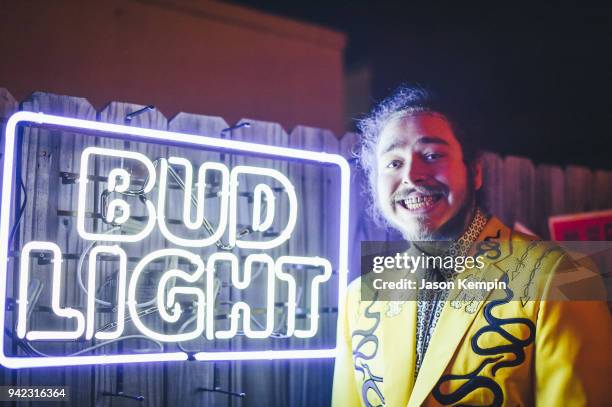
<point x="419" y="202"/>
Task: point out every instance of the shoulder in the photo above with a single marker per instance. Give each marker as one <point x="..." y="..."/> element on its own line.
<point x="528" y="261"/>
<point x="527" y="248"/>
<point x="539" y="270"/>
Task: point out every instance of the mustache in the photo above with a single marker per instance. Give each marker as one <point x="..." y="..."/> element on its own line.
<point x="424" y="190"/>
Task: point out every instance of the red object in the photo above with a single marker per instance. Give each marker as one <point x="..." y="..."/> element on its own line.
<point x="582" y="226"/>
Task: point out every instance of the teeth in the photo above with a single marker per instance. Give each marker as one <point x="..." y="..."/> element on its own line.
<point x="417" y="202"/>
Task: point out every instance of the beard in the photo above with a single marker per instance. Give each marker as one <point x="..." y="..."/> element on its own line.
<point x="420" y="230"/>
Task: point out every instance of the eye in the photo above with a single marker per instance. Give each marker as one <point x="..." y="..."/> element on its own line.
<point x="432" y="156"/>
<point x="394" y="164"/>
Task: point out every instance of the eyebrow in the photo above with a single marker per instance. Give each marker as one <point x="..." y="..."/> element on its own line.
<point x="422" y="140"/>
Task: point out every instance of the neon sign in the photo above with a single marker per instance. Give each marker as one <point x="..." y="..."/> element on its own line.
<point x="198" y="273"/>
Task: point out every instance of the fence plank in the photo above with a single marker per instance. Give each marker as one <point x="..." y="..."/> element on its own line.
<point x="519" y="191"/>
<point x="347" y="147"/>
<point x="45" y="153"/>
<point x="602" y="189"/>
<point x="492" y="188"/>
<point x="8" y="105"/>
<point x="194" y="375"/>
<point x="256" y="379"/>
<point x="142" y="379"/>
<point x="320" y="205"/>
<point x="361" y="225"/>
<point x="578" y="189"/>
<point x="550" y="191"/>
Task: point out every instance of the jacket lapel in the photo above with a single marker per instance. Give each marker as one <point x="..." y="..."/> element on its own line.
<point x="459" y="311"/>
<point x="398" y="345"/>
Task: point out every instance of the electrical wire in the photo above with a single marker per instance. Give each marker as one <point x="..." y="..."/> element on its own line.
<point x="207" y="225"/>
<point x="80" y="273"/>
<point x="28" y="344"/>
<point x="20" y="213"/>
<point x="274" y="335"/>
<point x="141" y="194"/>
<point x="97" y="346"/>
<point x="216" y="289"/>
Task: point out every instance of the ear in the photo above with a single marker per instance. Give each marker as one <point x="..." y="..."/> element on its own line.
<point x="477" y="173"/>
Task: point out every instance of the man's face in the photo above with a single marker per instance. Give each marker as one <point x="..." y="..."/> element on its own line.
<point x="422" y="182"/>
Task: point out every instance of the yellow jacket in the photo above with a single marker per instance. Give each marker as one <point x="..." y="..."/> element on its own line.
<point x="506" y="348"/>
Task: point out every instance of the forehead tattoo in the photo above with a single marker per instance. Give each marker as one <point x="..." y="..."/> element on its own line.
<point x="398" y="143"/>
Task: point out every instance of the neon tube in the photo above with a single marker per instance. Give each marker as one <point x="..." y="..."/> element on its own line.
<point x="293" y="208"/>
<point x="259" y="192"/>
<point x="117" y="203"/>
<point x="314" y="291"/>
<point x="161" y="300"/>
<point x="24" y="273"/>
<point x="91" y="292"/>
<point x="161" y="202"/>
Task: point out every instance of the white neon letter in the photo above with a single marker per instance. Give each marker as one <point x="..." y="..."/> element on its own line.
<point x="118" y="174"/>
<point x="91" y="292"/>
<point x="171" y="297"/>
<point x="201" y="190"/>
<point x="24" y="274"/>
<point x="115" y="175"/>
<point x="258" y="192"/>
<point x="314" y="292"/>
<point x="210" y="283"/>
<point x="293" y="209"/>
<point x="242" y="284"/>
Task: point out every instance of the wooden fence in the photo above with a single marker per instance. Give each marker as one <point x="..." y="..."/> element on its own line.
<point x="516" y="191"/>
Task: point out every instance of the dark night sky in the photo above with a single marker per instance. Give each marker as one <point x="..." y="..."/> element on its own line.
<point x="536" y="78"/>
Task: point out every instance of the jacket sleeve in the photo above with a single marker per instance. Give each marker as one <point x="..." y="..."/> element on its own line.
<point x="573" y="362"/>
<point x="345" y="393"/>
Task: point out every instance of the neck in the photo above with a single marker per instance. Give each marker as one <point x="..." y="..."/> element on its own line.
<point x="457" y="226"/>
<point x="441" y="241"/>
<point x="433" y="247"/>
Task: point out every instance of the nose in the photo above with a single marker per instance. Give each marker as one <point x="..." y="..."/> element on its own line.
<point x="415" y="172"/>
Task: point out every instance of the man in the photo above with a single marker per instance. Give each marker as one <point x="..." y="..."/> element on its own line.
<point x="513" y="345"/>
